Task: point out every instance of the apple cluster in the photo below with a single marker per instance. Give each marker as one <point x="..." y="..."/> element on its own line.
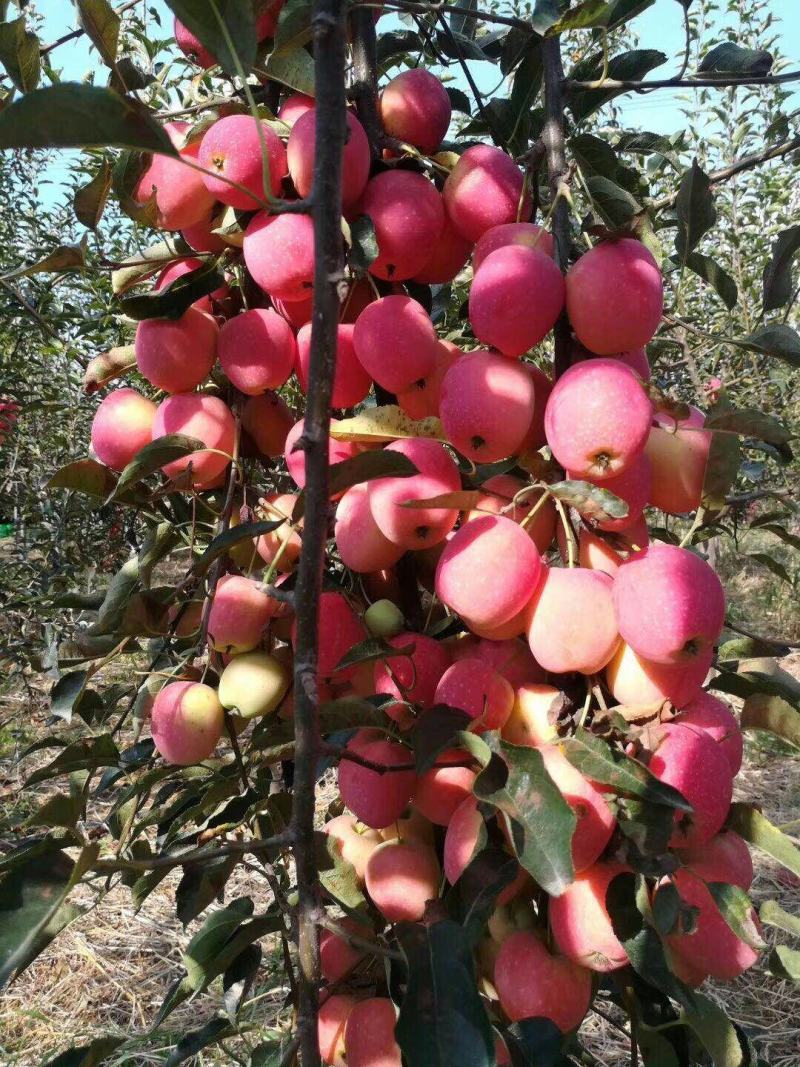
<point x="538" y="599"/>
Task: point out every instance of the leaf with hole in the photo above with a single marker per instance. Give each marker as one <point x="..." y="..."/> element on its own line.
<point x="590" y="500"/>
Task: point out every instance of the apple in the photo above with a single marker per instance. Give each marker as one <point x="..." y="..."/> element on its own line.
<point x="252" y="684"/>
<point x="416" y="109"/>
<point x="571" y="621"/>
<point x="233" y="150"/>
<point x="533" y="983"/>
<point x="186" y="722"/>
<point x="121" y="427"/>
<point x="177" y="354"/>
<point x="395" y="342"/>
<point x="407" y="213"/>
<point x="205" y="418"/>
<point x="579" y="920"/>
<point x="483" y="190"/>
<point x="257" y="351"/>
<point x="615" y="296"/>
<point x="401" y="877"/>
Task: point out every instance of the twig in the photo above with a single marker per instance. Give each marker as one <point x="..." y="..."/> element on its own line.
<point x="678" y="83"/>
<point x="74" y="34"/>
<point x="553" y="138"/>
<point x="328" y="24"/>
<point x="470" y="80"/>
<point x="20" y="299"/>
<point x="195" y="855"/>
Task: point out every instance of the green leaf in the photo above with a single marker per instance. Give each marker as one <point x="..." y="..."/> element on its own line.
<point x="788" y="539"/>
<point x="63" y="258"/>
<point x="622" y="11"/>
<point x="756" y="828"/>
<point x="730" y="58"/>
<point x="61" y="809"/>
<point x="763" y="711"/>
<point x="463" y="23"/>
<point x="771" y="564"/>
<point x="724" y="457"/>
<point x="716" y="1031"/>
<point x="200" y="885"/>
<point x="772" y="914"/>
<point x="91" y="1055"/>
<point x="370" y="650"/>
<point x="69" y="115"/>
<point x="784" y="962"/>
<point x="154" y="456"/>
<point x="536" y="1042"/>
<point x="694" y="208"/>
<point x="442" y="1018"/>
<point x="84" y="476"/>
<point x="102" y="25"/>
<point x="778" y="272"/>
<point x="238" y="979"/>
<point x="227" y="28"/>
<point x="90" y="200"/>
<point x="594" y="155"/>
<point x="459" y="101"/>
<point x="599" y="762"/>
<point x="233" y="536"/>
<point x="67" y="693"/>
<point x="628" y="66"/>
<point x="364" y="467"/>
<point x="586" y="14"/>
<point x="590" y="500"/>
<point x="295" y="69"/>
<point x="777" y="340"/>
<point x="88" y="754"/>
<point x="294" y="27"/>
<point x="120" y="590"/>
<point x="748" y="422"/>
<point x="434" y="732"/>
<point x="158" y="543"/>
<point x="474" y="896"/>
<point x="527" y="82"/>
<point x="173" y="301"/>
<point x="397" y="42"/>
<point x="458" y="46"/>
<point x="736" y="908"/>
<point x="33" y="909"/>
<point x="196" y="1040"/>
<point x="540" y="821"/>
<point x="19" y="54"/>
<point x="710" y="271"/>
<point x="364" y="249"/>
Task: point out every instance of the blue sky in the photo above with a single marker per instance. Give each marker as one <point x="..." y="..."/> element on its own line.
<point x="659" y="27"/>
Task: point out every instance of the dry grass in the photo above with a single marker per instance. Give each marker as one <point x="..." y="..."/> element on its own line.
<point x="108" y="973"/>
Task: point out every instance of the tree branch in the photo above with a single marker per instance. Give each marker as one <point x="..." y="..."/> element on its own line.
<point x="455" y="9"/>
<point x="329" y="66"/>
<point x="553" y="138"/>
<point x="195" y="855"/>
<point x="745" y="163"/>
<point x="631" y="85"/>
